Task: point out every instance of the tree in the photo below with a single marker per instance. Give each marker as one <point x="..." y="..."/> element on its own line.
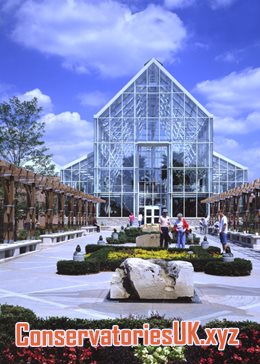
<point x="21" y="132"/>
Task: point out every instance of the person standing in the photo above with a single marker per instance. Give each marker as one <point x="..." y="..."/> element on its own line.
<point x="131" y="219"/>
<point x="140" y="219"/>
<point x="181" y="227"/>
<point x="164" y="223"/>
<point x="223" y="229"/>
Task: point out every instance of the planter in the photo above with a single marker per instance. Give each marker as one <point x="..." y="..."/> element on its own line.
<point x="228" y="258"/>
<point x="205" y="245"/>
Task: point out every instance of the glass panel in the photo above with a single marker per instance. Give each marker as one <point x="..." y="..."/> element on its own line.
<point x="67" y="175"/>
<point x="190" y="180"/>
<point x="115" y="180"/>
<point x="178" y="104"/>
<point x="115" y="205"/>
<point x="202" y="211"/>
<point x="153" y="129"/>
<point x="165" y="105"/>
<point x="223" y="164"/>
<point x="115" y="129"/>
<point x="178" y="155"/>
<point x="203" y="130"/>
<point x="141" y="83"/>
<point x="115" y="157"/>
<point x="203" y="180"/>
<point x="128" y="180"/>
<point x="103" y="155"/>
<point x="141" y="105"/>
<point x="128" y="155"/>
<point x="239" y="174"/>
<point x="203" y="154"/>
<point x="190" y="107"/>
<point x="177" y="203"/>
<point x="190" y="129"/>
<point x="190" y="155"/>
<point x="178" y="130"/>
<point x="128" y="207"/>
<point x="104" y="207"/>
<point x="128" y="104"/>
<point x="116" y="107"/>
<point x="141" y="129"/>
<point x="153" y="78"/>
<point x="153" y="105"/>
<point x="128" y="130"/>
<point x="190" y="207"/>
<point x="75" y="175"/>
<point x="178" y="176"/>
<point x="104" y="180"/>
<point x="165" y="129"/>
<point x="165" y="82"/>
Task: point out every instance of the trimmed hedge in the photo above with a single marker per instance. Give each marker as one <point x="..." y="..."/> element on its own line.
<point x="98" y="260"/>
<point x="72" y="268"/>
<point x="239" y="267"/>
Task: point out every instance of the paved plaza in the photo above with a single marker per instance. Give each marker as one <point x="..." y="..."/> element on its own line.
<point x="31" y="281"/>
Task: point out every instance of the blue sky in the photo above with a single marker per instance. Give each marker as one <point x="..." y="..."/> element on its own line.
<point x="74" y="55"/>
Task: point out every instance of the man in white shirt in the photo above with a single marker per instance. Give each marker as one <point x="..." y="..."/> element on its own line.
<point x="164" y="228"/>
<point x="140" y="219"/>
<point x="223" y="229"/>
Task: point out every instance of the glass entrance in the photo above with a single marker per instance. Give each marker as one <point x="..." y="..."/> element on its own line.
<point x="153" y="181"/>
<point x="151" y="214"/>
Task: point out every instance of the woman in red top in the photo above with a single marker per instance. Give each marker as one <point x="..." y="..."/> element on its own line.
<point x="181" y="227"/>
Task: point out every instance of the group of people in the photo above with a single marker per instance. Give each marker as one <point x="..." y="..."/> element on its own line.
<point x="181" y="227"/>
<point x="132" y="219"/>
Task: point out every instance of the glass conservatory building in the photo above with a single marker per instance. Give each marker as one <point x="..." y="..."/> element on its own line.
<point x="153" y="147"/>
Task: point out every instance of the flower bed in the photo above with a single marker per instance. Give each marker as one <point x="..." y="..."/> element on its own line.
<point x="104" y="258"/>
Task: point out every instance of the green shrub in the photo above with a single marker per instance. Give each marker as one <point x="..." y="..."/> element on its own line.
<point x="93" y="248"/>
<point x="239" y="267"/>
<point x="70" y="267"/>
<point x="212" y="250"/>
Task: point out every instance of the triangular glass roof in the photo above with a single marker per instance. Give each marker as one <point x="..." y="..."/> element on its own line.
<point x="152" y="78"/>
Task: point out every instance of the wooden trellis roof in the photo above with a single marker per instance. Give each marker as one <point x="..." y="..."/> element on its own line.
<point x="238" y="191"/>
<point x="22" y="175"/>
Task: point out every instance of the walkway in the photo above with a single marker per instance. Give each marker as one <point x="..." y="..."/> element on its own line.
<point x="31" y="281"/>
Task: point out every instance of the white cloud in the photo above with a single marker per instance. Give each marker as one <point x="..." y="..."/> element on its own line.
<point x="176" y="4"/>
<point x="234" y="96"/>
<point x="228" y="57"/>
<point x="68" y="136"/>
<point x="105" y="36"/>
<point x="43" y="100"/>
<point x="217" y="4"/>
<point x="94" y="99"/>
<point x="214" y="4"/>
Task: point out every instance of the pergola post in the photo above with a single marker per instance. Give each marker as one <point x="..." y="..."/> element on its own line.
<point x="49" y="209"/>
<point x="9" y="210"/>
<point x="61" y="208"/>
<point x="31" y="202"/>
<point x="85" y="212"/>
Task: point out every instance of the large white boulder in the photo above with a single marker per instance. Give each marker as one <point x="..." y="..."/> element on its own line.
<point x="152" y="279"/>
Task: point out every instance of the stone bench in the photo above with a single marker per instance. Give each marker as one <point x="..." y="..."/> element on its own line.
<point x="13" y="250"/>
<point x="60" y="237"/>
<point x="247" y="240"/>
<point x="89" y="229"/>
<point x="148" y="240"/>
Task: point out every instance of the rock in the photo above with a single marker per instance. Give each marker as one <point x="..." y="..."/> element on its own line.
<point x="152" y="279"/>
<point x="152" y="240"/>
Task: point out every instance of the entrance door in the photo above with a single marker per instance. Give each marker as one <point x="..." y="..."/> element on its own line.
<point x="151" y="214"/>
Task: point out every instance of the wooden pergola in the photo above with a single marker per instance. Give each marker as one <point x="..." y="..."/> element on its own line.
<point x="241" y="205"/>
<point x="80" y="207"/>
